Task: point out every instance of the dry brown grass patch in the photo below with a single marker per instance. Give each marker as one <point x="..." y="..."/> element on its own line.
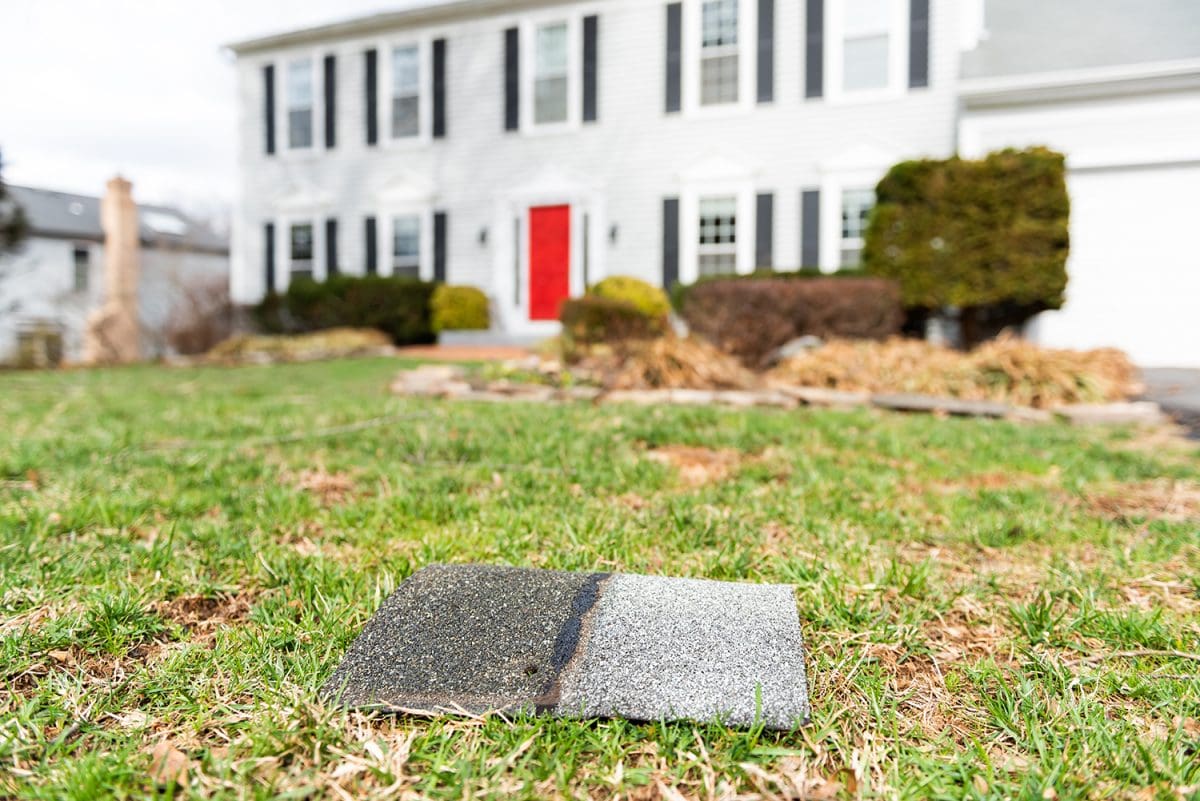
<point x="330" y="489"/>
<point x="1173" y="501"/>
<point x="668" y="363"/>
<point x="697" y="466"/>
<point x="202" y="615"/>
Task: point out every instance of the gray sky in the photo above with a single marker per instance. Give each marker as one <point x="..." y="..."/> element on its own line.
<point x="94" y="87"/>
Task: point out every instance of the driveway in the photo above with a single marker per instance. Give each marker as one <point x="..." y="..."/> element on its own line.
<point x="1178" y="392"/>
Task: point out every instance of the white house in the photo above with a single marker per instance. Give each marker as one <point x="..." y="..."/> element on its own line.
<point x="55" y="280"/>
<point x="532" y="147"/>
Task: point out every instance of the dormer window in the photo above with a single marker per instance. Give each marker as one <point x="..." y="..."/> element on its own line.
<point x="719" y="57"/>
<point x="301" y="98"/>
<point x="551" y="71"/>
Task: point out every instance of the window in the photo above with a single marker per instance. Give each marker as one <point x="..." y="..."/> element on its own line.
<point x="406" y="246"/>
<point x="301" y="251"/>
<point x="719" y="73"/>
<point x="718" y="236"/>
<point x="550" y="74"/>
<point x="300" y="104"/>
<point x="866" y="45"/>
<point x="856" y="213"/>
<point x="82" y="259"/>
<point x="406" y="92"/>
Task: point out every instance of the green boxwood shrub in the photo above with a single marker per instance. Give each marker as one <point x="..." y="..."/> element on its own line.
<point x="460" y="308"/>
<point x="977" y="235"/>
<point x="399" y="307"/>
<point x="649" y="299"/>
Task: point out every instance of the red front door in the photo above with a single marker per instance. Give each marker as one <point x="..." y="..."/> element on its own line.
<point x="549" y="260"/>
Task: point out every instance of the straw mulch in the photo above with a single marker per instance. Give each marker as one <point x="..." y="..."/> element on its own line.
<point x="668" y="362"/>
<point x="1007" y="370"/>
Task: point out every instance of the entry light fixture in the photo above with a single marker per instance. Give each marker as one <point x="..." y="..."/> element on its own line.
<point x="483" y="237"/>
<point x="614" y="233"/>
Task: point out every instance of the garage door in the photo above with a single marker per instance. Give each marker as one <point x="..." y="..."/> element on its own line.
<point x="1134" y="268"/>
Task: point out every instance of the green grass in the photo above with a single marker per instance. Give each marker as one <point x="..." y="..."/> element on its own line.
<point x="185" y="554"/>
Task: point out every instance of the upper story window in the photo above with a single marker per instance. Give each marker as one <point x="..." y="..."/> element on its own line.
<point x="301" y="250"/>
<point x="406" y="92"/>
<point x="551" y="71"/>
<point x="866" y="45"/>
<point x="718" y="236"/>
<point x="857" y="205"/>
<point x="82" y="263"/>
<point x="300" y="100"/>
<point x="406" y="246"/>
<point x="719" y="57"/>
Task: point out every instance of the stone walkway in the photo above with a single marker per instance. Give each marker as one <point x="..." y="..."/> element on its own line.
<point x="1178" y="392"/>
<point x="464" y="353"/>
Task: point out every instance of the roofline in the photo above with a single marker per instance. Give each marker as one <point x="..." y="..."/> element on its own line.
<point x="429" y="13"/>
<point x="1089" y="82"/>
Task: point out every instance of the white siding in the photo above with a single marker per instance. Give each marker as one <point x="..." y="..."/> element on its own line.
<point x="619" y="169"/>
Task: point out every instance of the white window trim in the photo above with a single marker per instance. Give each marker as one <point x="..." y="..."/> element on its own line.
<point x="283" y="248"/>
<point x="833" y="185"/>
<point x="424" y="44"/>
<point x="528" y="67"/>
<point x="689" y="225"/>
<point x="283" y="127"/>
<point x="385" y="223"/>
<point x="693" y="17"/>
<point x="898" y="48"/>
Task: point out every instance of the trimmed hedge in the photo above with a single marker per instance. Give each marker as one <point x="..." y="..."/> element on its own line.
<point x="680" y="292"/>
<point x="460" y="308"/>
<point x="649" y="299"/>
<point x="751" y="319"/>
<point x="974" y="234"/>
<point x="592" y="320"/>
<point x="399" y="307"/>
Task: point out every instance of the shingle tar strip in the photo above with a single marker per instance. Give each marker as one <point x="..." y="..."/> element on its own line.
<point x="481" y="639"/>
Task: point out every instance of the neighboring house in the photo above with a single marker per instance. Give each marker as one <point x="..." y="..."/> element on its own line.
<point x="531" y="148"/>
<point x="1115" y="85"/>
<point x="55" y="280"/>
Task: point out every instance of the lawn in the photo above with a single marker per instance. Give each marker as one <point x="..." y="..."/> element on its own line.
<point x="992" y="609"/>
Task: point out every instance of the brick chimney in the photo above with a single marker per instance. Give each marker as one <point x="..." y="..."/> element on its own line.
<point x="113" y="332"/>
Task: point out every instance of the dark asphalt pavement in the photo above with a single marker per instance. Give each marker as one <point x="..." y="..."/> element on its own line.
<point x="1178" y="392"/>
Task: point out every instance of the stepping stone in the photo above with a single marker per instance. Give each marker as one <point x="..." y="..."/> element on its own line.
<point x="931" y="404"/>
<point x="476" y="640"/>
<point x="1143" y="413"/>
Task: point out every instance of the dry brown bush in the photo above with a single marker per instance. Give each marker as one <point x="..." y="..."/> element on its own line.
<point x="203" y="318"/>
<point x="667" y="363"/>
<point x="1007" y="370"/>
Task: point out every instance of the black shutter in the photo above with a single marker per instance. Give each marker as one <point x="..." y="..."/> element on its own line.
<point x="810" y="229"/>
<point x="591" y="41"/>
<point x="440" y="231"/>
<point x="766" y="51"/>
<point x="269" y="256"/>
<point x="372" y="104"/>
<point x="670" y="242"/>
<point x="331" y="248"/>
<point x="814" y="49"/>
<point x="764" y="232"/>
<point x="674" y="57"/>
<point x="372" y="247"/>
<point x="330" y="102"/>
<point x="269" y="107"/>
<point x="918" y="45"/>
<point x="512" y="79"/>
<point x="439" y="88"/>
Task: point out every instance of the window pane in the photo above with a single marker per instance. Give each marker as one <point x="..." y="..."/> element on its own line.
<point x="300" y="128"/>
<point x="406" y="246"/>
<point x="406" y="70"/>
<point x="718" y="264"/>
<point x="719" y="80"/>
<point x="82" y="269"/>
<point x="302" y="250"/>
<point x="551" y="50"/>
<point x="856" y="212"/>
<point x="866" y="18"/>
<point x="300" y="84"/>
<point x="866" y="63"/>
<point x="550" y="100"/>
<point x="406" y="117"/>
<point x="720" y="23"/>
<point x="718" y="221"/>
